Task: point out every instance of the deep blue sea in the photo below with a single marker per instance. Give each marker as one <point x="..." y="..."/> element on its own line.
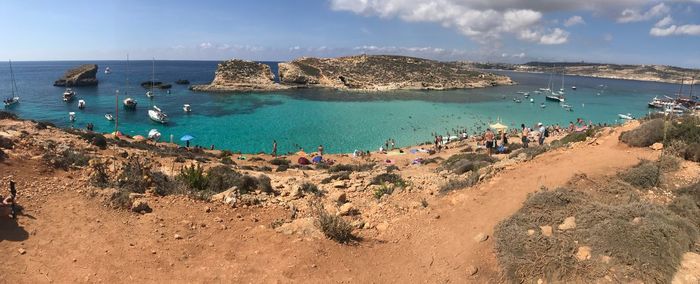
<point x="341" y="121"/>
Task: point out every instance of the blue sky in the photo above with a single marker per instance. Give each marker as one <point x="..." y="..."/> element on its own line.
<point x="625" y="31"/>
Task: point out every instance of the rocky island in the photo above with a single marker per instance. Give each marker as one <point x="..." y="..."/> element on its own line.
<point x="83" y="75"/>
<point x="654" y="73"/>
<point x="240" y="76"/>
<point x="384" y="73"/>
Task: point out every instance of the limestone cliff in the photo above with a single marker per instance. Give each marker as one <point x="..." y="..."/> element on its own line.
<point x="83" y="75"/>
<point x="240" y="75"/>
<point x="384" y="73"/>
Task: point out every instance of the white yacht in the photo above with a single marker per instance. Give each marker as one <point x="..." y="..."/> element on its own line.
<point x="157" y="115"/>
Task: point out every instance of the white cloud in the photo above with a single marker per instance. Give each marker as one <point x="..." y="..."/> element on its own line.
<point x="664" y="22"/>
<point x="519" y="55"/>
<point x="635" y="15"/>
<point x="574" y="20"/>
<point x="608" y="37"/>
<point x="205" y="45"/>
<point x="556" y="36"/>
<point x="482" y="21"/>
<point x="692" y="30"/>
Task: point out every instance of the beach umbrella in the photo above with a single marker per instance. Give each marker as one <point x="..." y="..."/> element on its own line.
<point x="498" y="126"/>
<point x="187" y="137"/>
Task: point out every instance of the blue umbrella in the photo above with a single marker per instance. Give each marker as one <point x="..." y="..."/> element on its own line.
<point x="186" y="138"/>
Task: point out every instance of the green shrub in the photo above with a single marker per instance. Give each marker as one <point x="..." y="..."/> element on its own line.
<point x="100" y="141"/>
<point x="382" y="190"/>
<point x="308" y="187"/>
<point x="351" y="168"/>
<point x="193" y="177"/>
<point x="99" y="176"/>
<point x="131" y="178"/>
<point x="333" y="227"/>
<point x="531" y="152"/>
<point x="389" y="178"/>
<point x="226" y="160"/>
<point x="645" y="135"/>
<point x="457" y="184"/>
<point x="7" y="115"/>
<point x="692" y="152"/>
<point x="165" y="185"/>
<point x="221" y="178"/>
<point x="336" y="176"/>
<point x="6" y="143"/>
<point x="646" y="174"/>
<point x="280" y="162"/>
<point x="66" y="159"/>
<point x="686" y="129"/>
<point x="391" y="168"/>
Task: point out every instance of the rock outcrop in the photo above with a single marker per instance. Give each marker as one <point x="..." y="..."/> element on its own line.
<point x="83" y="75"/>
<point x="240" y="75"/>
<point x="384" y="73"/>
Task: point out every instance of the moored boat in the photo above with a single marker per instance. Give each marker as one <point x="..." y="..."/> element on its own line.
<point x="68" y="95"/>
<point x="130" y="103"/>
<point x="555" y="97"/>
<point x="14" y="98"/>
<point x="625" y="116"/>
<point x="157" y="115"/>
<point x="81" y="104"/>
<point x="8" y="102"/>
<point x="108" y="71"/>
<point x="109" y="117"/>
<point x="71" y="116"/>
<point x="187" y="108"/>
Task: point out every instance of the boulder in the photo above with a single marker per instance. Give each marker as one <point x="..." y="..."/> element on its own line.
<point x="83" y="75"/>
<point x="339" y="197"/>
<point x="481" y="237"/>
<point x="657" y="146"/>
<point x="304" y="227"/>
<point x="569" y="223"/>
<point x="583" y="253"/>
<point x="140" y="206"/>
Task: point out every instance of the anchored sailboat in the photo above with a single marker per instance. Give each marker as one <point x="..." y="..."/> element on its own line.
<point x="14" y="98"/>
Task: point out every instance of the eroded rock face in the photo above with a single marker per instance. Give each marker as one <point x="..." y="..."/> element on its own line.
<point x="240" y="75"/>
<point x="83" y="75"/>
<point x="384" y="73"/>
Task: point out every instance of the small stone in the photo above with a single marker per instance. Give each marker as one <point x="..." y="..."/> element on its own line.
<point x="347" y="209"/>
<point x="657" y="146"/>
<point x="382" y="226"/>
<point x="178" y="237"/>
<point x="583" y="253"/>
<point x="530" y="232"/>
<point x="437" y="216"/>
<point x="207" y="210"/>
<point x="472" y="270"/>
<point x="637" y="220"/>
<point x="546" y="231"/>
<point x="140" y="206"/>
<point x="339" y="197"/>
<point x="153" y="252"/>
<point x="340" y="184"/>
<point x="21" y="251"/>
<point x="481" y="237"/>
<point x="569" y="223"/>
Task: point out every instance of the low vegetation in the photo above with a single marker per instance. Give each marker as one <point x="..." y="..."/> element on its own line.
<point x="333" y="226"/>
<point x="467" y="162"/>
<point x="65" y="159"/>
<point x="457" y="184"/>
<point x="392" y="178"/>
<point x="351" y="168"/>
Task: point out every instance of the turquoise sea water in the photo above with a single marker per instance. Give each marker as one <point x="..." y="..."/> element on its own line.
<point x="341" y="121"/>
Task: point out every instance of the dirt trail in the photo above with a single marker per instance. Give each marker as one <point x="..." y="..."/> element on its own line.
<point x="71" y="238"/>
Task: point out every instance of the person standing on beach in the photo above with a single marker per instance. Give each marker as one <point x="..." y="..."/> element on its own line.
<point x="524" y="135"/>
<point x="542" y="134"/>
<point x="274" y="148"/>
<point x="320" y="150"/>
<point x="393" y="143"/>
<point x="489" y="139"/>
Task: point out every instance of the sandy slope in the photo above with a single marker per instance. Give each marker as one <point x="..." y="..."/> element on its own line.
<point x="72" y="238"/>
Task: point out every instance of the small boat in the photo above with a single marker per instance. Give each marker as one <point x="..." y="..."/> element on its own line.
<point x="542" y="105"/>
<point x="517" y="100"/>
<point x="81" y="104"/>
<point x="545" y="89"/>
<point x="573" y="87"/>
<point x="567" y="107"/>
<point x="625" y="116"/>
<point x="537" y="92"/>
<point x="527" y="95"/>
<point x="108" y="71"/>
<point x="71" y="116"/>
<point x="150" y="94"/>
<point x="532" y="100"/>
<point x="68" y="95"/>
<point x="157" y="115"/>
<point x="109" y="117"/>
<point x="10" y="101"/>
<point x="556" y="98"/>
<point x="520" y="92"/>
<point x="187" y="108"/>
<point x="168" y="92"/>
<point x="14" y="98"/>
<point x="129" y="103"/>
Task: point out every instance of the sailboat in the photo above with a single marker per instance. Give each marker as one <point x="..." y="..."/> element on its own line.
<point x="108" y="71"/>
<point x="157" y="115"/>
<point x="14" y="99"/>
<point x="150" y="94"/>
<point x="129" y="103"/>
<point x="561" y="90"/>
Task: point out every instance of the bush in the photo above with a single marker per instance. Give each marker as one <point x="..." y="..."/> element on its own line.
<point x="41" y="125"/>
<point x="120" y="199"/>
<point x="531" y="152"/>
<point x="384" y="189"/>
<point x="280" y="162"/>
<point x="391" y="168"/>
<point x="165" y="185"/>
<point x="133" y="176"/>
<point x="456" y="184"/>
<point x="692" y="152"/>
<point x="226" y="160"/>
<point x="686" y="129"/>
<point x="100" y="141"/>
<point x="669" y="163"/>
<point x="99" y="176"/>
<point x="649" y="250"/>
<point x="6" y="143"/>
<point x="193" y="177"/>
<point x="333" y="227"/>
<point x="3" y="155"/>
<point x="336" y="176"/>
<point x="351" y="168"/>
<point x="645" y="135"/>
<point x="646" y="174"/>
<point x="389" y="178"/>
<point x="308" y="187"/>
<point x="469" y="157"/>
<point x="66" y="159"/>
<point x="221" y="178"/>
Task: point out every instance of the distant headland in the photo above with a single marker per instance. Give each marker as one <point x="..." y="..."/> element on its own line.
<point x="653" y="73"/>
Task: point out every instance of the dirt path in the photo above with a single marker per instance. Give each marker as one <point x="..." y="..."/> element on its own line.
<point x="71" y="238"/>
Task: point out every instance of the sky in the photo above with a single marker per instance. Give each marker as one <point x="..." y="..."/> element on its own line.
<point x="511" y="31"/>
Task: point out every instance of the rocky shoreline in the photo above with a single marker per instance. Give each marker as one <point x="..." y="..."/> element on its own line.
<point x="352" y="73"/>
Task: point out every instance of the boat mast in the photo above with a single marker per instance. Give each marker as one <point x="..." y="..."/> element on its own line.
<point x="153" y="75"/>
<point x="116" y="111"/>
<point x="14" y="83"/>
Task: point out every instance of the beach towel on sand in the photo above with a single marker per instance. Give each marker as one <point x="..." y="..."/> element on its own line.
<point x="303" y="161"/>
<point x="317" y="159"/>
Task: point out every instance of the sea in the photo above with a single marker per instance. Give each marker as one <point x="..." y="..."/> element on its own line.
<point x="341" y="121"/>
